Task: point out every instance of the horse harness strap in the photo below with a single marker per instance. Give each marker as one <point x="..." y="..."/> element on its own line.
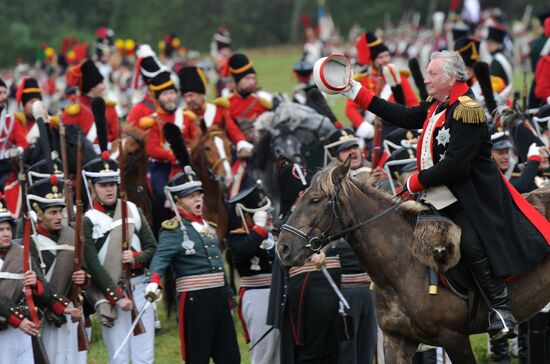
<point x="317" y="242"/>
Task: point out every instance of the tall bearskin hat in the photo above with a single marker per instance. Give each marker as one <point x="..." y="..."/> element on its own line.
<point x="85" y="75"/>
<point x="28" y="90"/>
<point x="162" y="82"/>
<point x="240" y="66"/>
<point x="192" y="79"/>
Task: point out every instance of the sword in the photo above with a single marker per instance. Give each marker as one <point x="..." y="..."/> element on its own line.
<point x="151" y="297"/>
<point x="334" y="287"/>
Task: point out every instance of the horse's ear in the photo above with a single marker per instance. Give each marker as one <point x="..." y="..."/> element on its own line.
<point x="341" y="171"/>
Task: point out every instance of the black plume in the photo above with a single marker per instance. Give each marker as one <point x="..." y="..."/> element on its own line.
<point x="321" y="104"/>
<point x="172" y="134"/>
<point x="418" y="78"/>
<point x="44" y="142"/>
<point x="98" y="109"/>
<point x="483" y="75"/>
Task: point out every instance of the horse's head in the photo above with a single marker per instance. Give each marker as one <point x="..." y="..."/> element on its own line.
<point x="316" y="216"/>
<point x="213" y="154"/>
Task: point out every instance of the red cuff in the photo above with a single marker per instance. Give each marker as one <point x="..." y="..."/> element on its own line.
<point x="113" y="297"/>
<point x="260" y="230"/>
<point x="364" y="97"/>
<point x="58" y="307"/>
<point x="14" y="321"/>
<point x="338" y="124"/>
<point x="155" y="278"/>
<point x="536" y="158"/>
<point x="137" y="265"/>
<point x="413" y="184"/>
<point x="38" y="289"/>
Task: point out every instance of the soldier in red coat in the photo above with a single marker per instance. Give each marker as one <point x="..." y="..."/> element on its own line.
<point x="193" y="89"/>
<point x="27" y="94"/>
<point x="246" y="103"/>
<point x="147" y="67"/>
<point x="90" y="84"/>
<point x="162" y="162"/>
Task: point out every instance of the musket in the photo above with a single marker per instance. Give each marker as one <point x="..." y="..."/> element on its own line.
<point x="76" y="290"/>
<point x="377" y="139"/>
<point x="126" y="269"/>
<point x="39" y="351"/>
<point x="66" y="177"/>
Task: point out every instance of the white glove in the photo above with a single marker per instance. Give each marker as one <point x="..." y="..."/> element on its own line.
<point x="152" y="289"/>
<point x="260" y="218"/>
<point x="534" y="150"/>
<point x="365" y="130"/>
<point x="353" y="90"/>
<point x="392" y="75"/>
<point x="244" y="145"/>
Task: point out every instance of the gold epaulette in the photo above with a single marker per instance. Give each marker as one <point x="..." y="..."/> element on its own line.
<point x="359" y="77"/>
<point x="469" y="111"/>
<point x="221" y="102"/>
<point x="405" y="72"/>
<point x="110" y="103"/>
<point x="54" y="120"/>
<point x="146" y="122"/>
<point x="265" y="103"/>
<point x="19" y="115"/>
<point x="171" y="224"/>
<point x="72" y="109"/>
<point x="190" y="115"/>
<point x="239" y="231"/>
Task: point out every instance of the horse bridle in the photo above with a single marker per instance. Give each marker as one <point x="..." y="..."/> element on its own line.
<point x="212" y="168"/>
<point x="316" y="243"/>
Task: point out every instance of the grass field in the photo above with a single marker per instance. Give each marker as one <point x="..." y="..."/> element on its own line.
<point x="274" y="69"/>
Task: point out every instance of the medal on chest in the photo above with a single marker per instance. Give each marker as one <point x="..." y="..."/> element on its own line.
<point x="255" y="264"/>
<point x="443" y="136"/>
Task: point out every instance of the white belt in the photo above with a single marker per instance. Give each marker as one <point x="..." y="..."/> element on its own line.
<point x="7" y="275"/>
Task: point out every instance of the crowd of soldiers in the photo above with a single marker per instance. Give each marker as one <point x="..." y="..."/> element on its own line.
<point x="79" y="232"/>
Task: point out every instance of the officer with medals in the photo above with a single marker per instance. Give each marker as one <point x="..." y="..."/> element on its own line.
<point x="252" y="249"/>
<point x="104" y="260"/>
<point x="502" y="234"/>
<point x="189" y="245"/>
<point x="53" y="247"/>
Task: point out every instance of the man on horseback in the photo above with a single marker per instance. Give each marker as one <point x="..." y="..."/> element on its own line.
<point x="193" y="85"/>
<point x="502" y="235"/>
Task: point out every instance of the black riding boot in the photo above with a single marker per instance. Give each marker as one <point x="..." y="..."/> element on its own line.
<point x="502" y="324"/>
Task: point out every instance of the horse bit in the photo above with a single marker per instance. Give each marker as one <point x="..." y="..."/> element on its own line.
<point x="316" y="243"/>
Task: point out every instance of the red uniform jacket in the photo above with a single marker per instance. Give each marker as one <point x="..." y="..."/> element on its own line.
<point x="542" y="77"/>
<point x="12" y="132"/>
<point x="82" y="115"/>
<point x="156" y="144"/>
<point x="214" y="115"/>
<point x="240" y="108"/>
<point x="144" y="108"/>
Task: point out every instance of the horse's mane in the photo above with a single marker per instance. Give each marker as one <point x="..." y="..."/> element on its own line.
<point x="362" y="182"/>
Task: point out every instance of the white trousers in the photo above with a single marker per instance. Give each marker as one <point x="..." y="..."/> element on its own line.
<point x="254" y="311"/>
<point x="61" y="343"/>
<point x="141" y="348"/>
<point x="15" y="347"/>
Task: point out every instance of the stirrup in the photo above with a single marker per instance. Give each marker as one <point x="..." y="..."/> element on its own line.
<point x="508" y="331"/>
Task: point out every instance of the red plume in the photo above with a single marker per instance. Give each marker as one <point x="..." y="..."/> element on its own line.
<point x="363" y="50"/>
<point x="53" y="180"/>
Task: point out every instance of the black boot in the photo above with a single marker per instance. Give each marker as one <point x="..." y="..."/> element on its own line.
<point x="502" y="324"/>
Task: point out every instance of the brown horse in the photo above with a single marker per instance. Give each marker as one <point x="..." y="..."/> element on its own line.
<point x="211" y="159"/>
<point x="135" y="162"/>
<point x="406" y="313"/>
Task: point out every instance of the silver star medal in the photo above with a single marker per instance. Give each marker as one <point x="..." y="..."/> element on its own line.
<point x="188" y="245"/>
<point x="255" y="263"/>
<point x="443" y="136"/>
<point x="268" y="243"/>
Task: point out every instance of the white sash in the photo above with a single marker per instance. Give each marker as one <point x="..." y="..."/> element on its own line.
<point x="92" y="133"/>
<point x="103" y="223"/>
<point x="33" y="134"/>
<point x="209" y="114"/>
<point x="178" y="118"/>
<point x="500" y="58"/>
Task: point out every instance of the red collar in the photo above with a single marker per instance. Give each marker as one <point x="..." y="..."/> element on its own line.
<point x="101" y="207"/>
<point x="458" y="90"/>
<point x="43" y="231"/>
<point x="189" y="216"/>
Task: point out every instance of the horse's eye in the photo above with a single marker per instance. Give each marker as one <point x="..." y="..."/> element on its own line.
<point x="207" y="149"/>
<point x="315" y="199"/>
